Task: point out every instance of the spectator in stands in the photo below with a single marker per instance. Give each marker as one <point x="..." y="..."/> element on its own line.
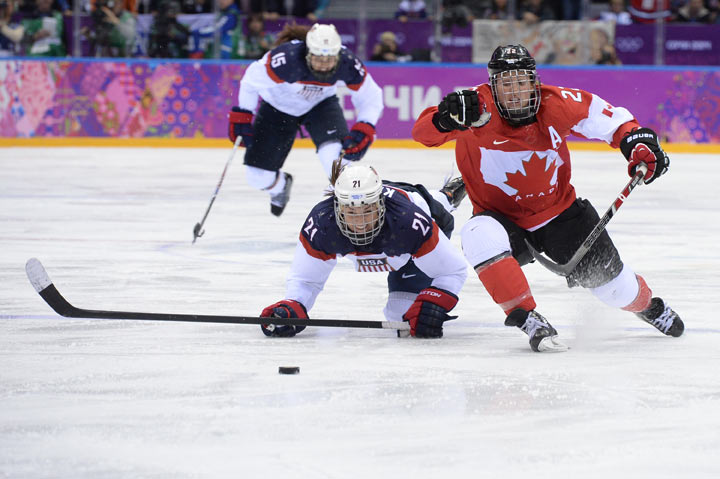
<point x="460" y="12"/>
<point x="190" y="7"/>
<point x="64" y="6"/>
<point x="274" y="9"/>
<point x="197" y="6"/>
<point x="534" y="11"/>
<point x="26" y="8"/>
<point x="617" y="13"/>
<point x="569" y="9"/>
<point x="387" y="50"/>
<point x="256" y="42"/>
<point x="226" y="22"/>
<point x="411" y="10"/>
<point x="130" y="5"/>
<point x="168" y="37"/>
<point x="498" y="10"/>
<point x="320" y="7"/>
<point x="42" y="31"/>
<point x="643" y="11"/>
<point x="714" y="7"/>
<point x="114" y="29"/>
<point x="694" y="12"/>
<point x="10" y="34"/>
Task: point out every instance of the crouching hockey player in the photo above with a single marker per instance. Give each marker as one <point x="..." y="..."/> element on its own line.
<point x="296" y="83"/>
<point x="389" y="227"/>
<point x="514" y="159"/>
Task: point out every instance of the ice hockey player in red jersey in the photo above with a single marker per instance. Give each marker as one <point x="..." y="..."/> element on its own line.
<point x="511" y="151"/>
<point x="395" y="228"/>
<point x="296" y="83"/>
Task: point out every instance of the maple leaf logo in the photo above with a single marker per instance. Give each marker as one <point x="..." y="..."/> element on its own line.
<point x="536" y="182"/>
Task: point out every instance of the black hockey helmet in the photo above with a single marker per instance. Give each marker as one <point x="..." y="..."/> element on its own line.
<point x="510" y="57"/>
<point x="509" y="64"/>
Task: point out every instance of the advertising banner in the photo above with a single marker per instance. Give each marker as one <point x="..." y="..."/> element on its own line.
<point x="692" y="44"/>
<point x="144" y="98"/>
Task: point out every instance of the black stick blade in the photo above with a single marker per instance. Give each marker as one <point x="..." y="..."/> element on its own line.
<point x="197" y="232"/>
<point x="47" y="290"/>
<point x="43" y="285"/>
<point x="559" y="269"/>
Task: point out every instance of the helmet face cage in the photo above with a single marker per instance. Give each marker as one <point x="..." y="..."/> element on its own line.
<point x="360" y="224"/>
<point x="359" y="204"/>
<point x="516" y="94"/>
<point x="514" y="83"/>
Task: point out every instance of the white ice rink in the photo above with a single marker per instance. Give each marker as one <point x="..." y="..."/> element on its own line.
<point x="126" y="399"/>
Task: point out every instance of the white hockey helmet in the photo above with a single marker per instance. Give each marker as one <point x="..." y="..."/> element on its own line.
<point x="359" y="203"/>
<point x="323" y="40"/>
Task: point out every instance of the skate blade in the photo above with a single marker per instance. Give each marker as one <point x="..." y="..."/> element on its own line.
<point x="552" y="344"/>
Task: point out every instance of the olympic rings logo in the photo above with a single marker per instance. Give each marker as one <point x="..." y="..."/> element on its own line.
<point x="629" y="44"/>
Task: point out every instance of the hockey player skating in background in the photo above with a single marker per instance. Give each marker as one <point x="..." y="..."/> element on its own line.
<point x="389" y="227"/>
<point x="512" y="154"/>
<point x="296" y="83"/>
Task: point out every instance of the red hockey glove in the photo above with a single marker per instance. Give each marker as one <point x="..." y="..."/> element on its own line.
<point x="459" y="111"/>
<point x="429" y="311"/>
<point x="286" y="308"/>
<point x="240" y="124"/>
<point x="358" y="140"/>
<point x="641" y="146"/>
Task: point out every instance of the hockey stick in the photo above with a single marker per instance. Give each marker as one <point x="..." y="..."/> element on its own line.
<point x="198" y="231"/>
<point x="567" y="268"/>
<point x="44" y="286"/>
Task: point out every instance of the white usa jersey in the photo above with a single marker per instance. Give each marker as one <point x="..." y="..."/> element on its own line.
<point x="282" y="79"/>
<point x="408" y="233"/>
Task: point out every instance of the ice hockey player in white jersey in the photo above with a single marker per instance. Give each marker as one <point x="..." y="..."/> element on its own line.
<point x="397" y="228"/>
<point x="513" y="156"/>
<point x="296" y="84"/>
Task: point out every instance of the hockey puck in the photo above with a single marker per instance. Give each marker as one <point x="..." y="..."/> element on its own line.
<point x="289" y="370"/>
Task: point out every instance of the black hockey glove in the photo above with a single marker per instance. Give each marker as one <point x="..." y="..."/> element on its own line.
<point x="641" y="146"/>
<point x="283" y="309"/>
<point x="460" y="110"/>
<point x="429" y="311"/>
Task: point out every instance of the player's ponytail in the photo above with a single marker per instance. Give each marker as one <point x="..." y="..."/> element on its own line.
<point x="292" y="31"/>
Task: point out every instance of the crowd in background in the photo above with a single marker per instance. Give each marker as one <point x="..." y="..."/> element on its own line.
<point x="37" y="27"/>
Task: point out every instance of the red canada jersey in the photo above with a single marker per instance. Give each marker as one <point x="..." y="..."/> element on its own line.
<point x="523" y="172"/>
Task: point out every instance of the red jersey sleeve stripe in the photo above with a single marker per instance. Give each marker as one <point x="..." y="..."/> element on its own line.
<point x="270" y="71"/>
<point x="313" y="252"/>
<point x="623" y="130"/>
<point x="429" y="243"/>
<point x="356" y="86"/>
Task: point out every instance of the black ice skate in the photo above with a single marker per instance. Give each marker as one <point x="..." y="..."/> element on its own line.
<point x="455" y="191"/>
<point x="279" y="201"/>
<point x="543" y="337"/>
<point x="663" y="318"/>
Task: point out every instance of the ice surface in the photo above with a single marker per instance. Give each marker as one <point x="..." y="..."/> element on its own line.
<point x="126" y="399"/>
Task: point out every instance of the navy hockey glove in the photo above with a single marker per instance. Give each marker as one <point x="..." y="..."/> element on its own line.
<point x="460" y="110"/>
<point x="429" y="311"/>
<point x="641" y="146"/>
<point x="240" y="124"/>
<point x="356" y="144"/>
<point x="286" y="308"/>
